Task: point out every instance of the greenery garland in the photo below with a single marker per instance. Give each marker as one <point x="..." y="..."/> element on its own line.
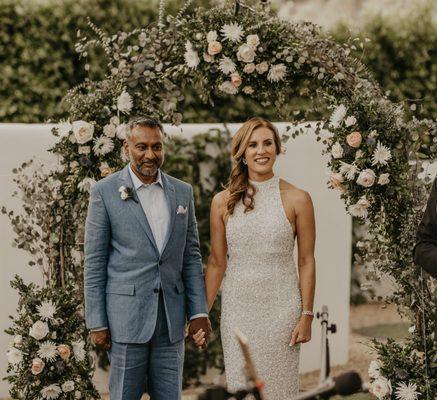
<point x="373" y="147"/>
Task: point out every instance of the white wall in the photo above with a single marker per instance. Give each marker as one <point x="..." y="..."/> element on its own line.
<point x="302" y="165"/>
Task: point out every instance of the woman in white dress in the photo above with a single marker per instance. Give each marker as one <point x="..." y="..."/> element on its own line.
<point x="254" y="224"/>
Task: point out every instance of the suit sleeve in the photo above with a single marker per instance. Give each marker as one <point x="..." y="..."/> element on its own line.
<point x="97" y="238"/>
<point x="192" y="274"/>
<point x="425" y="251"/>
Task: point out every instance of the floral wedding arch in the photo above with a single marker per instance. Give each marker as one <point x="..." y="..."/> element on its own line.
<point x="235" y="49"/>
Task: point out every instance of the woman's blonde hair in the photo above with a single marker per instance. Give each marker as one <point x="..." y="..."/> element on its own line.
<point x="238" y="185"/>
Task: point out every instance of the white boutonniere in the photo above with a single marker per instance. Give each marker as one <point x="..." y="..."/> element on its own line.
<point x="181" y="210"/>
<point x="126" y="193"/>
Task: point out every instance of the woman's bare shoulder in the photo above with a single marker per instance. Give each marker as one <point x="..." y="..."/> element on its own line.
<point x="219" y="200"/>
<point x="293" y="193"/>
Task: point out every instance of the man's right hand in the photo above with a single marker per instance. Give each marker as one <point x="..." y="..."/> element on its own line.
<point x="101" y="338"/>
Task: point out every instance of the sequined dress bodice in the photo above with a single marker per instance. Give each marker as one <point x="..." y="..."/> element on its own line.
<point x="260" y="293"/>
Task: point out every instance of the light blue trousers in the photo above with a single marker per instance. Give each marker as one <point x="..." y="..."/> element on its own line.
<point x="154" y="367"/>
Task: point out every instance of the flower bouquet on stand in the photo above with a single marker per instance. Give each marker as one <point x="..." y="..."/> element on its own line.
<point x="48" y="356"/>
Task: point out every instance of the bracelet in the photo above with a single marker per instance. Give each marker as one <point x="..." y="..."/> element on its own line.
<point x="307" y="312"/>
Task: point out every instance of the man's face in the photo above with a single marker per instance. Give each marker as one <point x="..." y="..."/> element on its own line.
<point x="145" y="148"/>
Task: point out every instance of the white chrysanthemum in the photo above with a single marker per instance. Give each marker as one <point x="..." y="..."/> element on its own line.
<point x="86" y="184"/>
<point x="51" y="392"/>
<point x="381" y="155"/>
<point x="348" y="170"/>
<point x="103" y="145"/>
<point x="39" y="330"/>
<point x="337" y="150"/>
<point x="337" y="116"/>
<point x="406" y="392"/>
<point x="360" y="208"/>
<point x="277" y="73"/>
<point x="64" y="128"/>
<point x="191" y="56"/>
<point x="228" y="87"/>
<point x="374" y="370"/>
<point x="79" y="350"/>
<point x="14" y="355"/>
<point x="124" y="102"/>
<point x="232" y="32"/>
<point x="211" y="36"/>
<point x="226" y="65"/>
<point x="48" y="351"/>
<point x="46" y="310"/>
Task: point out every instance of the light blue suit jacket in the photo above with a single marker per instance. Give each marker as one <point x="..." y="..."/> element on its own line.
<point x="124" y="269"/>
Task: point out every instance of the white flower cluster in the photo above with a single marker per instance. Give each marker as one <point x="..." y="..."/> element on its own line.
<point x="48" y="351"/>
<point x="245" y="56"/>
<point x="366" y="177"/>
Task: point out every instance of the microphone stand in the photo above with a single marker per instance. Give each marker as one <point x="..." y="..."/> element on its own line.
<point x="325" y="365"/>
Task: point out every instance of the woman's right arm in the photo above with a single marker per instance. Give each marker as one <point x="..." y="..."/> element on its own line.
<point x="217" y="260"/>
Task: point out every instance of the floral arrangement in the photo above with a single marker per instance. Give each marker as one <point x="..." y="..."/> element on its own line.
<point x="48" y="357"/>
<point x="374" y="150"/>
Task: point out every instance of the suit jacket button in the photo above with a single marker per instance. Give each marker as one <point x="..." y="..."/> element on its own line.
<point x="160" y="262"/>
<point x="156" y="290"/>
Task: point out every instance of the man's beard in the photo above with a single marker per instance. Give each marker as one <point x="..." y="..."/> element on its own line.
<point x="148" y="171"/>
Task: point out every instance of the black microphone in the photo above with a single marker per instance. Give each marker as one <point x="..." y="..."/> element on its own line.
<point x="343" y="385"/>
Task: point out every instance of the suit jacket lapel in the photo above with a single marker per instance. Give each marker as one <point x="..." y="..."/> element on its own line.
<point x="171" y="200"/>
<point x="136" y="208"/>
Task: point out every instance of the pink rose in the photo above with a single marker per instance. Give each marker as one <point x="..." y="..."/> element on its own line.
<point x="214" y="48"/>
<point x="354" y="139"/>
<point x="37" y="366"/>
<point x="236" y="79"/>
<point x="64" y="351"/>
<point x="335" y="180"/>
<point x="105" y="169"/>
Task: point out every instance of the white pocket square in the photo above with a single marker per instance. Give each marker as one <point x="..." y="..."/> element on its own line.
<point x="181" y="210"/>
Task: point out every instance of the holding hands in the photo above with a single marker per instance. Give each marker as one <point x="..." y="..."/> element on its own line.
<point x="199" y="330"/>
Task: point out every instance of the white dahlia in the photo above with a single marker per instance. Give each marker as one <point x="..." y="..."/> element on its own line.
<point x="232" y="32"/>
<point x="406" y="392"/>
<point x="103" y="145"/>
<point x="124" y="102"/>
<point x="48" y="351"/>
<point x="277" y="72"/>
<point x="381" y="155"/>
<point x="51" y="392"/>
<point x="226" y="65"/>
<point x="337" y="116"/>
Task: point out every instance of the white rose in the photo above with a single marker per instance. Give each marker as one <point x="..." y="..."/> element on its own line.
<point x="67" y="386"/>
<point x="39" y="330"/>
<point x="18" y="339"/>
<point x="248" y="90"/>
<point x="349" y="121"/>
<point x="374" y="369"/>
<point x="74" y="165"/>
<point x="82" y="131"/>
<point x="246" y="53"/>
<point x="121" y="131"/>
<point x="381" y="387"/>
<point x="114" y="121"/>
<point x="249" y="68"/>
<point x="15" y="356"/>
<point x="384" y="179"/>
<point x="337" y="150"/>
<point x="366" y="178"/>
<point x="124" y="102"/>
<point x="77" y="394"/>
<point x="211" y="36"/>
<point x="109" y="130"/>
<point x="252" y="40"/>
<point x="79" y="350"/>
<point x="360" y="208"/>
<point x="263" y="67"/>
<point x="84" y="150"/>
<point x="207" y="58"/>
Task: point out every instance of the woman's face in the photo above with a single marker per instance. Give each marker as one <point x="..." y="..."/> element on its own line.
<point x="260" y="153"/>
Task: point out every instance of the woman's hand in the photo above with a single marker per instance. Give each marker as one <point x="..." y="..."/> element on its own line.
<point x="302" y="332"/>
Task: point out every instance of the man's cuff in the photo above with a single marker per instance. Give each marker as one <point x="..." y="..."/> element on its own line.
<point x="104" y="328"/>
<point x="199" y="316"/>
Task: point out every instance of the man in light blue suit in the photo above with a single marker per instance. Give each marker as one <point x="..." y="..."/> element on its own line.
<point x="143" y="270"/>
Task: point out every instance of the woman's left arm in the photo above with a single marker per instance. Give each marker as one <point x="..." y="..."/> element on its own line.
<point x="306" y="237"/>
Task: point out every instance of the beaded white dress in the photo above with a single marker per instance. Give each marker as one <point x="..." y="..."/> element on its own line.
<point x="260" y="294"/>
